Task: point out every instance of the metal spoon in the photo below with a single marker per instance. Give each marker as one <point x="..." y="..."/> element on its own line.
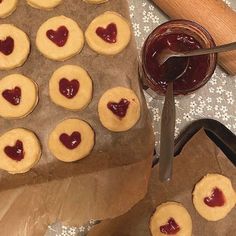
<point x="168" y="118"/>
<point x="167" y="53"/>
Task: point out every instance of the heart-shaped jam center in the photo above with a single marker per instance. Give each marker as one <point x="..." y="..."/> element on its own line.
<point x="16" y="152"/>
<point x="59" y="37"/>
<point x="108" y="34"/>
<point x="71" y="141"/>
<point x="7" y="45"/>
<point x="170" y="228"/>
<point x="217" y="198"/>
<point x="13" y="96"/>
<point x="69" y="89"/>
<point x="119" y="109"/>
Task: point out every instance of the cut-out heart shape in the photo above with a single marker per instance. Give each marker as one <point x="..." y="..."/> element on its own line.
<point x="13" y="96"/>
<point x="170" y="228"/>
<point x="59" y="37"/>
<point x="69" y="89"/>
<point x="16" y="152"/>
<point x="7" y="46"/>
<point x="119" y="109"/>
<point x="108" y="34"/>
<point x="71" y="141"/>
<point x="217" y="198"/>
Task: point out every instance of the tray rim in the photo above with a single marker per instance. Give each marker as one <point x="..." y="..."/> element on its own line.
<point x="216" y="131"/>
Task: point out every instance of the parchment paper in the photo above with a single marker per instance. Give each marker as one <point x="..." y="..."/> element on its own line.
<point x="99" y="186"/>
<point x="199" y="157"/>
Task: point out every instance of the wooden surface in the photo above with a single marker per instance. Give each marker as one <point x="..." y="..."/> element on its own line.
<point x="214" y="15"/>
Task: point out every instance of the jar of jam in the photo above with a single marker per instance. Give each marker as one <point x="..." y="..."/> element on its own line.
<point x="178" y="35"/>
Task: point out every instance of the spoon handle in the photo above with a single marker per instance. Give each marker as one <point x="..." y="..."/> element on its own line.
<point x="204" y="51"/>
<point x="167" y="135"/>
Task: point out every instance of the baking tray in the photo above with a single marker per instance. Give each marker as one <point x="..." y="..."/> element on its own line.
<point x="215" y="130"/>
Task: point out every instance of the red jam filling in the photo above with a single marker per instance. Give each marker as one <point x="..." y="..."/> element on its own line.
<point x="108" y="34"/>
<point x="170" y="228"/>
<point x="193" y="70"/>
<point x="59" y="37"/>
<point x="1" y="1"/>
<point x="69" y="89"/>
<point x="16" y="152"/>
<point x="217" y="198"/>
<point x="13" y="96"/>
<point x="119" y="109"/>
<point x="71" y="141"/>
<point x="7" y="46"/>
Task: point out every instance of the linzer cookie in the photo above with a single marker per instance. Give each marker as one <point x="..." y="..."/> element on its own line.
<point x="19" y="150"/>
<point x="214" y="197"/>
<point x="59" y="38"/>
<point x="7" y="7"/>
<point x="18" y="96"/>
<point x="71" y="140"/>
<point x="108" y="33"/>
<point x="71" y="87"/>
<point x="171" y="218"/>
<point x="46" y="5"/>
<point x="14" y="47"/>
<point x="119" y="109"/>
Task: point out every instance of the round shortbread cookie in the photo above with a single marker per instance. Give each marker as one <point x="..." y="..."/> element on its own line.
<point x="119" y="109"/>
<point x="71" y="140"/>
<point x="214" y="197"/>
<point x="95" y="1"/>
<point x="45" y="4"/>
<point x="14" y="47"/>
<point x="108" y="33"/>
<point x="59" y="38"/>
<point x="71" y="87"/>
<point x="19" y="150"/>
<point x="18" y="96"/>
<point x="171" y="218"/>
<point x="7" y="7"/>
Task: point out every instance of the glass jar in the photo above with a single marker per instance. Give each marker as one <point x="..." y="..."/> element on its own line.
<point x="178" y="35"/>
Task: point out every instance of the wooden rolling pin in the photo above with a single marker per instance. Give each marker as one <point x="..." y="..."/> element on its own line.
<point x="214" y="15"/>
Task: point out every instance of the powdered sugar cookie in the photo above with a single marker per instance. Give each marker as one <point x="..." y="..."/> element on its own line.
<point x="119" y="109"/>
<point x="59" y="38"/>
<point x="19" y="150"/>
<point x="171" y="218"/>
<point x="18" y="96"/>
<point x="71" y="140"/>
<point x="14" y="47"/>
<point x="71" y="87"/>
<point x="108" y="33"/>
<point x="214" y="197"/>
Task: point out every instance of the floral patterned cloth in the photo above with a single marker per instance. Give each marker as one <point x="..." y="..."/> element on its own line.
<point x="215" y="100"/>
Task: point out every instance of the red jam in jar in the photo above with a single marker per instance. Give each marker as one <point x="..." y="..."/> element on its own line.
<point x="178" y="35"/>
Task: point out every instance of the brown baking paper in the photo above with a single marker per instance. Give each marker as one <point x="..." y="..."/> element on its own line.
<point x="199" y="157"/>
<point x="110" y="180"/>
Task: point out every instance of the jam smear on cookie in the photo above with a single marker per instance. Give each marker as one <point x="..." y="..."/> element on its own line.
<point x="71" y="141"/>
<point x="217" y="198"/>
<point x="59" y="36"/>
<point x="69" y="89"/>
<point x="13" y="96"/>
<point x="108" y="34"/>
<point x="170" y="228"/>
<point x="7" y="46"/>
<point x="15" y="152"/>
<point x="119" y="109"/>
